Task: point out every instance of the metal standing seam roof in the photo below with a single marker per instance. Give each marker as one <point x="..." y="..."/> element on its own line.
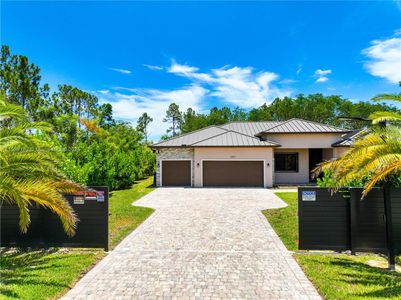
<point x="349" y="138"/>
<point x="302" y="126"/>
<point x="250" y="128"/>
<point x="245" y="134"/>
<point x="231" y="138"/>
<point x="213" y="136"/>
<point x="192" y="137"/>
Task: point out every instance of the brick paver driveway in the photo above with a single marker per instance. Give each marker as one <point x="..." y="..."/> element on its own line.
<point x="200" y="244"/>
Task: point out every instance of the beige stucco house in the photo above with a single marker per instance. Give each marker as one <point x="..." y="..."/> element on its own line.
<point x="248" y="154"/>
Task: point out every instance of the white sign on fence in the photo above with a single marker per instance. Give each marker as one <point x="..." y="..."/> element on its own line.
<point x="308" y="195"/>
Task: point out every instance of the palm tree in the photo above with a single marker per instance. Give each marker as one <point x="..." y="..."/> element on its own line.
<point x="376" y="156"/>
<point x="28" y="169"/>
<point x="383" y="116"/>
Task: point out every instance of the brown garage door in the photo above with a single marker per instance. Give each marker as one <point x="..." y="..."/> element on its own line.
<point x="176" y="173"/>
<point x="233" y="173"/>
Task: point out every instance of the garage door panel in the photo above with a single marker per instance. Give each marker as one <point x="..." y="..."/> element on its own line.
<point x="233" y="173"/>
<point x="176" y="173"/>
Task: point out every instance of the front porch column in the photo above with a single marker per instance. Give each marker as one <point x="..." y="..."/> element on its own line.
<point x="269" y="167"/>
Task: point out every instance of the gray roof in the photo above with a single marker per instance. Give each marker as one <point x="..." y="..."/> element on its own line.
<point x="348" y="139"/>
<point x="192" y="137"/>
<point x="213" y="136"/>
<point x="250" y="128"/>
<point x="244" y="134"/>
<point x="231" y="138"/>
<point x="302" y="126"/>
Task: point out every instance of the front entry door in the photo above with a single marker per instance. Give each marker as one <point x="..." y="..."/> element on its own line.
<point x="315" y="158"/>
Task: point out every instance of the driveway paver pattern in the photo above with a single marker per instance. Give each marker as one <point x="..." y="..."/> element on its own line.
<point x="200" y="244"/>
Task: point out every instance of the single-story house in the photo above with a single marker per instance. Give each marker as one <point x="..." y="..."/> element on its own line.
<point x="248" y="154"/>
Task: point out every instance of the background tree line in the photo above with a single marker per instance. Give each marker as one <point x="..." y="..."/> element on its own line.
<point x="314" y="107"/>
<point x="94" y="148"/>
<point x="99" y="150"/>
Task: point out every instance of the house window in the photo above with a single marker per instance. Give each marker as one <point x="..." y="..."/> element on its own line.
<point x="286" y="162"/>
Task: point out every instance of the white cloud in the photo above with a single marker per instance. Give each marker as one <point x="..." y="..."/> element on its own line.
<point x="320" y="72"/>
<point x="122" y="71"/>
<point x="181" y="69"/>
<point x="397" y="31"/>
<point x="240" y="86"/>
<point x="322" y="79"/>
<point x="384" y="59"/>
<point x="153" y="67"/>
<point x="244" y="87"/>
<point x="322" y="75"/>
<point x="130" y="104"/>
<point x="103" y="91"/>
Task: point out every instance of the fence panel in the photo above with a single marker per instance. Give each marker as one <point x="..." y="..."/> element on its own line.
<point x="332" y="222"/>
<point x="324" y="220"/>
<point x="396" y="209"/>
<point x="91" y="207"/>
<point x="368" y="223"/>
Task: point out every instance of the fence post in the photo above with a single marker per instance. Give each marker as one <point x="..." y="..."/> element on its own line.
<point x="107" y="200"/>
<point x="389" y="226"/>
<point x="353" y="211"/>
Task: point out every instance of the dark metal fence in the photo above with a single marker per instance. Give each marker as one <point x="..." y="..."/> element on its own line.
<point x="343" y="221"/>
<point x="324" y="220"/>
<point x="45" y="230"/>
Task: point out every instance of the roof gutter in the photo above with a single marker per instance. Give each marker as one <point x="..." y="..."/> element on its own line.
<point x="218" y="146"/>
<point x="301" y="132"/>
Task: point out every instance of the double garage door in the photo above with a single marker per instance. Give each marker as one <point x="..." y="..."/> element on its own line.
<point x="215" y="173"/>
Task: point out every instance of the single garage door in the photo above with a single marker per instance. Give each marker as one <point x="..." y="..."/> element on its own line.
<point x="233" y="173"/>
<point x="176" y="173"/>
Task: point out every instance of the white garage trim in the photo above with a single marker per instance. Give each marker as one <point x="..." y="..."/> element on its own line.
<point x="175" y="159"/>
<point x="234" y="159"/>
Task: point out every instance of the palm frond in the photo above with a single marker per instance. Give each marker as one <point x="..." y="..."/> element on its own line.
<point x="28" y="169"/>
<point x="387" y="97"/>
<point x="47" y="195"/>
<point x="8" y="111"/>
<point x="384" y="116"/>
<point x="376" y="155"/>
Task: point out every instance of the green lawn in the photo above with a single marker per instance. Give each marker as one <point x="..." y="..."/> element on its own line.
<point x="336" y="276"/>
<point x="42" y="274"/>
<point x="125" y="217"/>
<point x="47" y="274"/>
<point x="285" y="220"/>
<point x="344" y="276"/>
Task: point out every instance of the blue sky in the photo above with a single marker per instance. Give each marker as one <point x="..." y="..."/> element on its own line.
<point x="140" y="56"/>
